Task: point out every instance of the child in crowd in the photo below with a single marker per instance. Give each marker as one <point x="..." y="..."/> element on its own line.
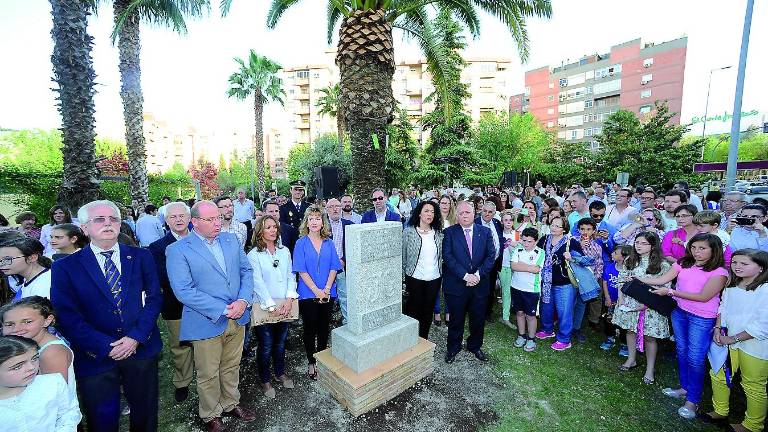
<point x="643" y="325"/>
<point x="708" y="222"/>
<point x="28" y="401"/>
<point x="31" y="317"/>
<point x="611" y="285"/>
<point x="526" y="261"/>
<point x="742" y="326"/>
<point x="587" y="230"/>
<point x="23" y="258"/>
<point x="511" y="240"/>
<point x="66" y="239"/>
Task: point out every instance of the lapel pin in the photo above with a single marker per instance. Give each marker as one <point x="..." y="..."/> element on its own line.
<point x="128" y="256"/>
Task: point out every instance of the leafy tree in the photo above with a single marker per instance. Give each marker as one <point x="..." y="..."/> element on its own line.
<point x="365" y="56"/>
<point x="753" y="145"/>
<point x="296" y="157"/>
<point x="205" y="173"/>
<point x="400" y="157"/>
<point x="650" y="150"/>
<point x="258" y="78"/>
<point x="74" y="76"/>
<point x="568" y="161"/>
<point x="329" y="105"/>
<point x="323" y="152"/>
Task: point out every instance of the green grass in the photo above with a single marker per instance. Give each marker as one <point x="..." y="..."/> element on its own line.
<point x="581" y="389"/>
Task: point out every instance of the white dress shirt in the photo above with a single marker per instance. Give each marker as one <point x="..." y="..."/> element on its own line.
<point x="102" y="260"/>
<point x="742" y="310"/>
<point x="495" y="235"/>
<point x="270" y="282"/>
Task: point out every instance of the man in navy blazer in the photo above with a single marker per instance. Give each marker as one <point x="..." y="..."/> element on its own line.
<point x="212" y="277"/>
<point x="107" y="299"/>
<point x="338" y="233"/>
<point x="177" y="216"/>
<point x="488" y="220"/>
<point x="379" y="212"/>
<point x="465" y="279"/>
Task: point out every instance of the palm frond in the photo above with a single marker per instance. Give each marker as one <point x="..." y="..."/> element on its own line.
<point x="336" y="9"/>
<point x="512" y="14"/>
<point x="167" y="13"/>
<point x="277" y="9"/>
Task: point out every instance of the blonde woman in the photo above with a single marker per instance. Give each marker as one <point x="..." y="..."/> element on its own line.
<point x="316" y="262"/>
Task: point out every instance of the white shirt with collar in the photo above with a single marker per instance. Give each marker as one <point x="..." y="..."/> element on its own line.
<point x="102" y="259"/>
<point x="470" y="231"/>
<point x="495" y="235"/>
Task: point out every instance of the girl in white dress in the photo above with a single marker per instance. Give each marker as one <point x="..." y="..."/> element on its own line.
<point x="28" y="401"/>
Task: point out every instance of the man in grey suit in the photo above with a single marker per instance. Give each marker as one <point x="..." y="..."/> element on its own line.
<point x="211" y="276"/>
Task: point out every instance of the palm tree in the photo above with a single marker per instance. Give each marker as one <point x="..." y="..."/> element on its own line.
<point x="258" y="78"/>
<point x="329" y="105"/>
<point x="74" y="74"/>
<point x="127" y="15"/>
<point x="365" y="56"/>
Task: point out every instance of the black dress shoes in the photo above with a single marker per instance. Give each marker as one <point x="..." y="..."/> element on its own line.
<point x="480" y="355"/>
<point x="181" y="394"/>
<point x="450" y="357"/>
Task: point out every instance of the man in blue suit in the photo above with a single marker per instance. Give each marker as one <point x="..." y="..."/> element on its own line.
<point x="338" y="231"/>
<point x="468" y="255"/>
<point x="380" y="212"/>
<point x="211" y="276"/>
<point x="107" y="299"/>
<point x="488" y="220"/>
<point x="177" y="217"/>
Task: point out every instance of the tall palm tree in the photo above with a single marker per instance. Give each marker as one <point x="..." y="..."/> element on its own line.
<point x="127" y="15"/>
<point x="74" y="74"/>
<point x="329" y="105"/>
<point x="365" y="56"/>
<point x="258" y="78"/>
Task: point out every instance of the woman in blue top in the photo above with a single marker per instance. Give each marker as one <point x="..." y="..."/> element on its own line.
<point x="316" y="262"/>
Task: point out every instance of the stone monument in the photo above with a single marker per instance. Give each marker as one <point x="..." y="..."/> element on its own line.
<point x="378" y="353"/>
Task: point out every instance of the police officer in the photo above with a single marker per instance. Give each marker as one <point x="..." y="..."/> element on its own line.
<point x="292" y="212"/>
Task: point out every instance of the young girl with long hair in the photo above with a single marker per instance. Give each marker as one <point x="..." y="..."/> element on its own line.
<point x="643" y="325"/>
<point x="700" y="278"/>
<point x="23" y="257"/>
<point x="742" y="326"/>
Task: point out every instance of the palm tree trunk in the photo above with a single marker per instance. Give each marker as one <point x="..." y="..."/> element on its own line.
<point x="129" y="46"/>
<point x="74" y="74"/>
<point x="366" y="101"/>
<point x="340" y="131"/>
<point x="258" y="142"/>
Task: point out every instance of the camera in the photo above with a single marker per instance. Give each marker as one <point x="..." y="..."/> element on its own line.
<point x="745" y="221"/>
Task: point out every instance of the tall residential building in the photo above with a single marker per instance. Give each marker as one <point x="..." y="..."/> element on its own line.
<point x="574" y="99"/>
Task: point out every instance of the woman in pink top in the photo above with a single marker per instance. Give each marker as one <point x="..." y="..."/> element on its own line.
<point x="673" y="245"/>
<point x="700" y="278"/>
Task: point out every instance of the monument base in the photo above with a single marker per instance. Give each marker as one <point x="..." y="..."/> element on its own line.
<point x="364" y="351"/>
<point x="362" y="392"/>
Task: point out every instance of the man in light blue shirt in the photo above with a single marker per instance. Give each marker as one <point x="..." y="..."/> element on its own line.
<point x="244" y="211"/>
<point x="148" y="227"/>
<point x="753" y="236"/>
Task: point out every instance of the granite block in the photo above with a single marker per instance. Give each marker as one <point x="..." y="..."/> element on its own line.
<point x="363" y="351"/>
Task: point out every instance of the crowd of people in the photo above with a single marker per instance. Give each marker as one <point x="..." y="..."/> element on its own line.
<point x="83" y="294"/>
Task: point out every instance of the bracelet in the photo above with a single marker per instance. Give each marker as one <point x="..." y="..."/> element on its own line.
<point x="736" y="339"/>
<point x="671" y="293"/>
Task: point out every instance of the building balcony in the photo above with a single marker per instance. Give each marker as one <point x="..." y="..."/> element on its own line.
<point x="301" y="81"/>
<point x="302" y="96"/>
<point x="304" y="109"/>
<point x="303" y="125"/>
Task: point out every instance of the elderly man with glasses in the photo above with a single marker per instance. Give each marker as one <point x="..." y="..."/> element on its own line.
<point x="731" y="204"/>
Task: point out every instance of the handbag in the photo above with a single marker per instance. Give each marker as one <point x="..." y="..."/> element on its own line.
<point x="571" y="275"/>
<point x="260" y="316"/>
<point x="642" y="293"/>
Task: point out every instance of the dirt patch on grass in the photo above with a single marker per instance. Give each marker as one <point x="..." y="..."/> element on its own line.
<point x="457" y="397"/>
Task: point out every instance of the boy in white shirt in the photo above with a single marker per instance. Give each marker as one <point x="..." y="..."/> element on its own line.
<point x="526" y="261"/>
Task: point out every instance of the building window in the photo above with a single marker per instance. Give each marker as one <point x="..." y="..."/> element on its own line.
<point x="551" y="85"/>
<point x="302" y="74"/>
<point x="589" y="103"/>
<point x="563" y="82"/>
<point x="648" y="62"/>
<point x="588" y="132"/>
<point x="551" y="98"/>
<point x="646" y="79"/>
<point x="589" y="90"/>
<point x="315" y="75"/>
<point x="550" y="111"/>
<point x="645" y="109"/>
<point x="645" y="94"/>
<point x="550" y="124"/>
<point x="574" y="134"/>
<point x="487" y="68"/>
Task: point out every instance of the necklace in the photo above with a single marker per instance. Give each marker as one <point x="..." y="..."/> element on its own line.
<point x="421" y="231"/>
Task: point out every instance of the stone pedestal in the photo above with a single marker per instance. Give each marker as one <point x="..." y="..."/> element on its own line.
<point x="378" y="354"/>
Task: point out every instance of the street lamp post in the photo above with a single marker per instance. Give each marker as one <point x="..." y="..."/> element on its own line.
<point x="706" y="106"/>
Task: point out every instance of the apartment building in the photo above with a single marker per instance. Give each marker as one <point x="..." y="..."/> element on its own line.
<point x="575" y="98"/>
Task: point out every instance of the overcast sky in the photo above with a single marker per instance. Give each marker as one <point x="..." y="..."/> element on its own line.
<point x="185" y="77"/>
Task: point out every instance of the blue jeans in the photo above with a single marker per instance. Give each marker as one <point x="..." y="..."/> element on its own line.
<point x="341" y="292"/>
<point x="562" y="299"/>
<point x="693" y="335"/>
<point x="579" y="308"/>
<point x="271" y="346"/>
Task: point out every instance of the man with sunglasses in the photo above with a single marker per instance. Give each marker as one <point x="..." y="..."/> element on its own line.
<point x="107" y="299"/>
<point x="380" y="212"/>
<point x="212" y="277"/>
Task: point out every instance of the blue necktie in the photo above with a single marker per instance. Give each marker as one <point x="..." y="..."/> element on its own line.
<point x="113" y="278"/>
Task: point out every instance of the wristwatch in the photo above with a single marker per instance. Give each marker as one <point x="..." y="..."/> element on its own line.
<point x="736" y="339"/>
<point x="271" y="309"/>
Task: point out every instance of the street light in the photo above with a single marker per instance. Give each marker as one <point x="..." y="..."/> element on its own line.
<point x="706" y="107"/>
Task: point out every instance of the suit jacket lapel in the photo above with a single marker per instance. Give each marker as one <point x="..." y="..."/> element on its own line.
<point x="476" y="251"/>
<point x="91" y="265"/>
<point x="126" y="265"/>
<point x="201" y="249"/>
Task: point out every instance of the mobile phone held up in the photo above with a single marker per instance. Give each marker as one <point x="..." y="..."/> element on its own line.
<point x="745" y="221"/>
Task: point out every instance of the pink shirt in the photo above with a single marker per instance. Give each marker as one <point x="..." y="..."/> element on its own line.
<point x="692" y="280"/>
<point x="675" y="250"/>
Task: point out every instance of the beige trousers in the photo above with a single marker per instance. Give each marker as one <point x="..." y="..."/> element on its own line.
<point x="183" y="363"/>
<point x="217" y="361"/>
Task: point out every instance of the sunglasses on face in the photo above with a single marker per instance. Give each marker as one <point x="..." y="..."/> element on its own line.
<point x="377" y="199"/>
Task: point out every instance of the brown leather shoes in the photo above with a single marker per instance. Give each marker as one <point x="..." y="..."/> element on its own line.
<point x="215" y="425"/>
<point x="239" y="412"/>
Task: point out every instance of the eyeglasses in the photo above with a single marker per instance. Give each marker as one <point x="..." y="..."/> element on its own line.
<point x="374" y="199"/>
<point x="7" y="261"/>
<point x="212" y="219"/>
<point x="598" y="216"/>
<point x="102" y="219"/>
<point x="275" y="263"/>
<point x="681" y="216"/>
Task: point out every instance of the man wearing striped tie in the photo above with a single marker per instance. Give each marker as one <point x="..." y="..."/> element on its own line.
<point x="107" y="299"/>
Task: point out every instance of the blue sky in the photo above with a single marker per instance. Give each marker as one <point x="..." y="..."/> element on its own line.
<point x="185" y="77"/>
